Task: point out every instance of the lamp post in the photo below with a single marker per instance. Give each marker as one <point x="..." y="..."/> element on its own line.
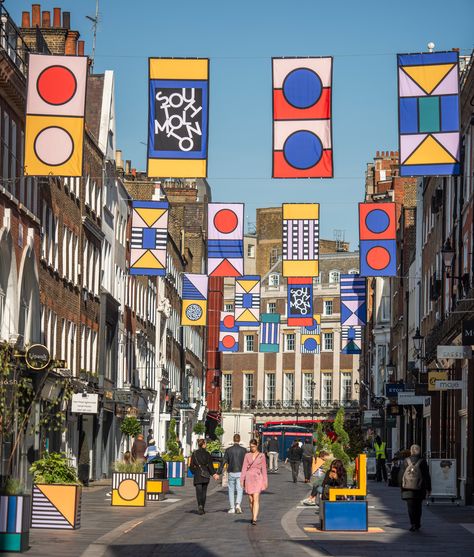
<point x="418" y="339"/>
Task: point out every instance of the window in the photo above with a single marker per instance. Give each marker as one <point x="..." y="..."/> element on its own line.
<point x="248" y="387"/>
<point x="229" y="307"/>
<point x="327" y="307"/>
<point x="271" y="307"/>
<point x="227" y="388"/>
<point x="288" y="388"/>
<point x="334" y="277"/>
<point x="270" y="388"/>
<point x="326" y="385"/>
<point x="274" y="256"/>
<point x="346" y="386"/>
<point x="317" y="279"/>
<point x="385" y="308"/>
<point x="308" y="386"/>
<point x="290" y="342"/>
<point x="251" y="251"/>
<point x="249" y="343"/>
<point x="328" y="341"/>
<point x="274" y="279"/>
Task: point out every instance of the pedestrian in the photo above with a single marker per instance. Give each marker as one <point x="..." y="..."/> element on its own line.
<point x="318" y="478"/>
<point x="254" y="478"/>
<point x="415" y="481"/>
<point x="336" y="476"/>
<point x="295" y="452"/>
<point x="202" y="469"/>
<point x="150" y="436"/>
<point x="234" y="458"/>
<point x="139" y="448"/>
<point x="127" y="457"/>
<point x="380" y="459"/>
<point x="151" y="451"/>
<point x="307" y="458"/>
<point x="272" y="451"/>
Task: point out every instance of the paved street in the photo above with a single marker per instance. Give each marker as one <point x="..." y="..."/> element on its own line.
<point x="285" y="529"/>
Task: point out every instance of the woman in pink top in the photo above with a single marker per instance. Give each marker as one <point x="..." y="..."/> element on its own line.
<point x="254" y="478"/>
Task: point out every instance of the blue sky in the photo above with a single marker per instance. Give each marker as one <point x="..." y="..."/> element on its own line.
<point x="240" y="39"/>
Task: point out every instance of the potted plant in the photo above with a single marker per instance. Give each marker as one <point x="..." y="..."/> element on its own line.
<point x="216" y="447"/>
<point x="15" y="517"/>
<point x="128" y="484"/>
<point x="174" y="458"/>
<point x="57" y="493"/>
<point x="157" y="484"/>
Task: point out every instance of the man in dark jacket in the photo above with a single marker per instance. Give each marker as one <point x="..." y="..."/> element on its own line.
<point x="307" y="458"/>
<point x="139" y="448"/>
<point x="272" y="451"/>
<point x="295" y="453"/>
<point x="234" y="458"/>
<point x="415" y="481"/>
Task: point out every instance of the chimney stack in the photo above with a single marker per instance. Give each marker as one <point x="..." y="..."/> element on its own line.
<point x="57" y="18"/>
<point x="25" y="20"/>
<point x="66" y="20"/>
<point x="36" y="15"/>
<point x="128" y="164"/>
<point x="46" y="19"/>
<point x="70" y="48"/>
<point x="118" y="159"/>
<point x="80" y="48"/>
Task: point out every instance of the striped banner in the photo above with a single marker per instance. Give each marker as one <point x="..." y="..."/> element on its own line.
<point x="353" y="300"/>
<point x="175" y="469"/>
<point x="269" y="332"/>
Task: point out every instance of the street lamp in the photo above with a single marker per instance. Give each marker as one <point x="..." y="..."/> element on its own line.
<point x="357" y="386"/>
<point x="448" y="253"/>
<point x="390" y="367"/>
<point x="418" y="340"/>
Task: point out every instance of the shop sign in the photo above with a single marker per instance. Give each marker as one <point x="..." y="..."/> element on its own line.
<point x="37" y="357"/>
<point x="433" y="377"/>
<point x="468" y="332"/>
<point x="85" y="403"/>
<point x="453" y="352"/>
<point x="369" y="415"/>
<point x="405" y="399"/>
<point x="392" y="389"/>
<point x="450" y="385"/>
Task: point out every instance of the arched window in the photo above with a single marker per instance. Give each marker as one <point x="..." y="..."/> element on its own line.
<point x="334" y="277"/>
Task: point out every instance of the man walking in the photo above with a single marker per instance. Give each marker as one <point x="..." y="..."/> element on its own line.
<point x="272" y="451"/>
<point x="307" y="458"/>
<point x="380" y="459"/>
<point x="234" y="458"/>
<point x="416" y="485"/>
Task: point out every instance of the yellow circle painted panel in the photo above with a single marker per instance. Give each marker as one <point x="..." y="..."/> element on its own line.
<point x="128" y="489"/>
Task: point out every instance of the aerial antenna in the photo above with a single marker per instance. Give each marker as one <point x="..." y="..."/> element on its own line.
<point x="95" y="23"/>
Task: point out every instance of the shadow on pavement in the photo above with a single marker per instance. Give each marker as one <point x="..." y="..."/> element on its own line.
<point x="162" y="549"/>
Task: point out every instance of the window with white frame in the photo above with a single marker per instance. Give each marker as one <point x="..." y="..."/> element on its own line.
<point x="346" y="386"/>
<point x="274" y="256"/>
<point x="288" y="387"/>
<point x="251" y="251"/>
<point x="274" y="279"/>
<point x="270" y="388"/>
<point x="334" y="277"/>
<point x="327" y="308"/>
<point x="290" y="342"/>
<point x="227" y="388"/>
<point x="326" y="388"/>
<point x="248" y="387"/>
<point x="249" y="343"/>
<point x="328" y="341"/>
<point x="385" y="308"/>
<point x="308" y="386"/>
<point x="271" y="307"/>
<point x="228" y="307"/>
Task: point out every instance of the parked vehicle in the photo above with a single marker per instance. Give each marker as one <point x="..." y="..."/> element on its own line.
<point x="243" y="424"/>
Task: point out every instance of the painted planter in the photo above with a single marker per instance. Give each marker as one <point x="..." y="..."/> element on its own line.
<point x="128" y="489"/>
<point x="15" y="518"/>
<point x="156" y="489"/>
<point x="156" y="470"/>
<point x="56" y="506"/>
<point x="175" y="473"/>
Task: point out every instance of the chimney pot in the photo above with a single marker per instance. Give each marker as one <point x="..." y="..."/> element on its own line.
<point x="134" y="171"/>
<point x="128" y="164"/>
<point x="80" y="48"/>
<point x="36" y="15"/>
<point x="118" y="158"/>
<point x="70" y="48"/>
<point x="66" y="20"/>
<point x="57" y="17"/>
<point x="46" y="19"/>
<point x="25" y="20"/>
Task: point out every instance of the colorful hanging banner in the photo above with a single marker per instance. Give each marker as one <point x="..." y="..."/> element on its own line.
<point x="149" y="236"/>
<point x="429" y="116"/>
<point x="56" y="97"/>
<point x="300" y="239"/>
<point x="247" y="301"/>
<point x="225" y="244"/>
<point x="311" y="336"/>
<point x="194" y="309"/>
<point x="351" y="339"/>
<point x="377" y="233"/>
<point x="228" y="333"/>
<point x="269" y="332"/>
<point x="178" y="117"/>
<point x="300" y="301"/>
<point x="353" y="300"/>
<point x="302" y="134"/>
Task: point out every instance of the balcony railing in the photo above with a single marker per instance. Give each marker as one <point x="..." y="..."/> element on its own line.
<point x="302" y="406"/>
<point x="11" y="41"/>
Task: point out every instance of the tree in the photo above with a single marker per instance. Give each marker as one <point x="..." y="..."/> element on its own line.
<point x="172" y="447"/>
<point x="130" y="426"/>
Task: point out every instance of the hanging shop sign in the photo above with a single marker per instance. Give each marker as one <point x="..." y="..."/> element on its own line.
<point x="85" y="403"/>
<point x="392" y="389"/>
<point x="468" y="332"/>
<point x="449" y="385"/>
<point x="434" y="377"/>
<point x="37" y="357"/>
<point x="411" y="399"/>
<point x="453" y="352"/>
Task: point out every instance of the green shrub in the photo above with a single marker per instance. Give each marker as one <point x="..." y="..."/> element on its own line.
<point x="131" y="426"/>
<point x="128" y="467"/>
<point x="173" y="452"/>
<point x="12" y="486"/>
<point x="54" y="468"/>
<point x="214" y="446"/>
<point x="219" y="431"/>
<point x="199" y="428"/>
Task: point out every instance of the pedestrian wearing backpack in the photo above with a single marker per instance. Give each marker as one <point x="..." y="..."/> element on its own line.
<point x="416" y="485"/>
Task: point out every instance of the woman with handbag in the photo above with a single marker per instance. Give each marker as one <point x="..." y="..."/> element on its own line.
<point x="202" y="469"/>
<point x="253" y="478"/>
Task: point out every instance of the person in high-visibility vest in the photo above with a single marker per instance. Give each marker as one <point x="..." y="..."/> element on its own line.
<point x="380" y="459"/>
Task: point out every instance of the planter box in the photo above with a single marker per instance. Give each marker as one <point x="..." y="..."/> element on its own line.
<point x="348" y="516"/>
<point x="175" y="473"/>
<point x="56" y="506"/>
<point x="15" y="518"/>
<point x="128" y="490"/>
<point x="156" y="489"/>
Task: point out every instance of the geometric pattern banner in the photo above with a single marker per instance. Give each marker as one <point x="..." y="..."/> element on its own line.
<point x="377" y="233"/>
<point x="311" y="337"/>
<point x="194" y="309"/>
<point x="55" y="115"/>
<point x="428" y="114"/>
<point x="247" y="301"/>
<point x="302" y="135"/>
<point x="300" y="301"/>
<point x="351" y="338"/>
<point x="269" y="332"/>
<point x="353" y="300"/>
<point x="149" y="236"/>
<point x="178" y="117"/>
<point x="300" y="239"/>
<point x="225" y="244"/>
<point x="228" y="333"/>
